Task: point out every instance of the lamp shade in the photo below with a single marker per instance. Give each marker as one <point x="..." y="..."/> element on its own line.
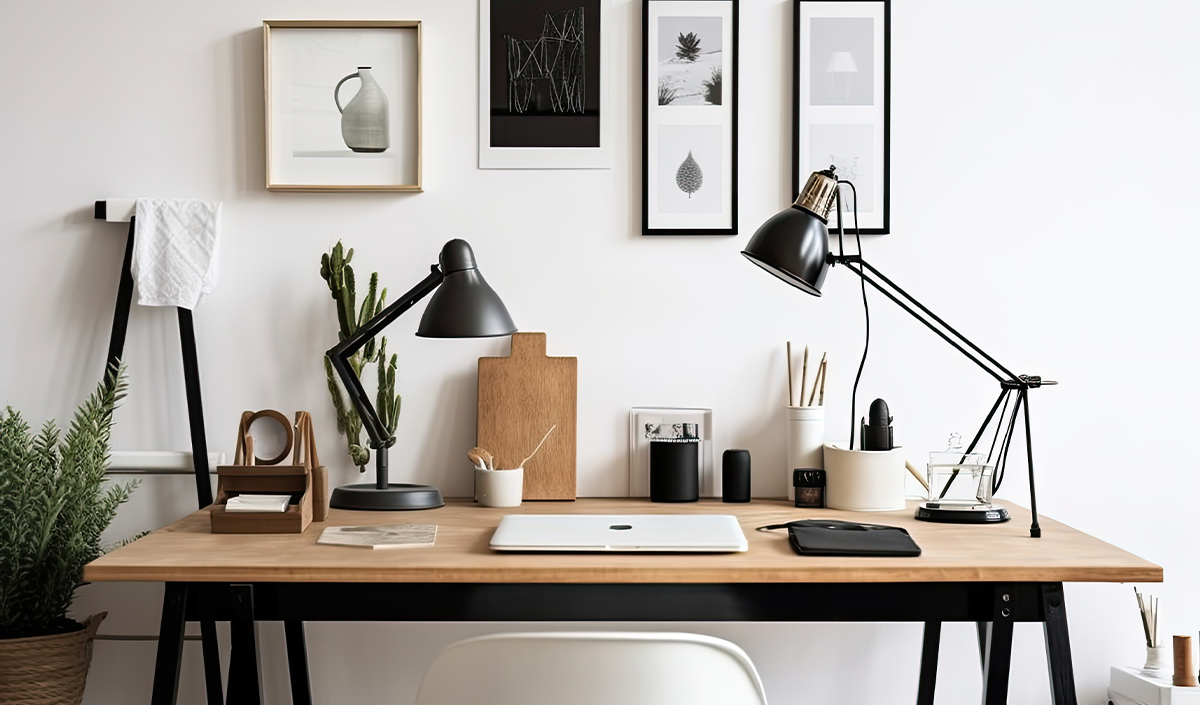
<point x="794" y="244"/>
<point x="841" y="62"/>
<point x="464" y="306"/>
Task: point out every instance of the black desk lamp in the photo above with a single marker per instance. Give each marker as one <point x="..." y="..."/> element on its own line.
<point x="794" y="246"/>
<point x="464" y="307"/>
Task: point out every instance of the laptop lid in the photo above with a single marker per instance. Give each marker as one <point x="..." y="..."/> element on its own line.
<point x="662" y="533"/>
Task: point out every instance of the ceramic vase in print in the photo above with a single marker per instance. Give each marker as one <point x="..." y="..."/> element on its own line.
<point x="365" y="117"/>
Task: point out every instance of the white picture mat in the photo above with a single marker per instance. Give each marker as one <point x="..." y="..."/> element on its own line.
<point x="305" y="64"/>
<point x="663" y="116"/>
<point x="639" y="447"/>
<point x="872" y="115"/>
<point x="543" y="157"/>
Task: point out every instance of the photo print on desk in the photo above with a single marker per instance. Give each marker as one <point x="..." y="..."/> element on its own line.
<point x="343" y="105"/>
<point x="543" y="84"/>
<point x="841" y="109"/>
<point x="689" y="117"/>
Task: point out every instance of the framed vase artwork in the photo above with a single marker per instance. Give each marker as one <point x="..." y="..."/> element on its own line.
<point x="689" y="117"/>
<point x="842" y="102"/>
<point x="544" y="84"/>
<point x="343" y="105"/>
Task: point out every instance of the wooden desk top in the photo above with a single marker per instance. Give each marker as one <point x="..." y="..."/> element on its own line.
<point x="186" y="552"/>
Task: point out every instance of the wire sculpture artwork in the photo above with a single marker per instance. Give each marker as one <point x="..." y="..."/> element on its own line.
<point x="553" y="61"/>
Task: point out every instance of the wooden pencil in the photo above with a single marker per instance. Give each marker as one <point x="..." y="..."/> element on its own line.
<point x="818" y="379"/>
<point x="804" y="376"/>
<point x="824" y="376"/>
<point x="791" y="393"/>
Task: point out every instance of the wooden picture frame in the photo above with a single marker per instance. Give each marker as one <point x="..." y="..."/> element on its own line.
<point x="841" y="109"/>
<point x="689" y="117"/>
<point x="375" y="142"/>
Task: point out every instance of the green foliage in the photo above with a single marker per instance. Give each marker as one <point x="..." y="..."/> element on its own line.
<point x="666" y="94"/>
<point x="339" y="276"/>
<point x="712" y="87"/>
<point x="688" y="48"/>
<point x="55" y="503"/>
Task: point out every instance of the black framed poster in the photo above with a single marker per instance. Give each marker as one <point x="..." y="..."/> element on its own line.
<point x="842" y="102"/>
<point x="689" y="117"/>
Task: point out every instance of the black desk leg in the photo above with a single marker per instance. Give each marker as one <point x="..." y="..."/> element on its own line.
<point x="297" y="656"/>
<point x="245" y="688"/>
<point x="981" y="631"/>
<point x="929" y="663"/>
<point x="998" y="657"/>
<point x="170" y="645"/>
<point x="212" y="662"/>
<point x="1058" y="644"/>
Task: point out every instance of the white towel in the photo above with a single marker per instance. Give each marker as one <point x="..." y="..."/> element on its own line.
<point x="176" y="246"/>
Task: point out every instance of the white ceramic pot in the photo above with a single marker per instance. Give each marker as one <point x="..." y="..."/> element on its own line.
<point x="864" y="480"/>
<point x="365" y="117"/>
<point x="805" y="441"/>
<point x="499" y="488"/>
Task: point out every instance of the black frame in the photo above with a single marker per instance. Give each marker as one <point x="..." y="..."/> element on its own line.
<point x="646" y="229"/>
<point x="994" y="607"/>
<point x="798" y="176"/>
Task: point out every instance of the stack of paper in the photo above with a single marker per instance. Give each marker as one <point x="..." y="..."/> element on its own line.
<point x="258" y="503"/>
<point x="380" y="536"/>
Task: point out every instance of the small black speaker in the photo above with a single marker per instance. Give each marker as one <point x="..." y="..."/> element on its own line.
<point x="735" y="476"/>
<point x="674" y="471"/>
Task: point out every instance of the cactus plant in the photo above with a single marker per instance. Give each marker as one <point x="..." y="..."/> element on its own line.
<point x="339" y="276"/>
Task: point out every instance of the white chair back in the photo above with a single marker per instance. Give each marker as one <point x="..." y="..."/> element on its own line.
<point x="592" y="668"/>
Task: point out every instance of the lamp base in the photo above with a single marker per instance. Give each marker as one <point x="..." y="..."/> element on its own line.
<point x="398" y="496"/>
<point x="973" y="514"/>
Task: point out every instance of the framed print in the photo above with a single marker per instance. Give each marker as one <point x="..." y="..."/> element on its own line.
<point x="842" y="101"/>
<point x="689" y="117"/>
<point x="543" y="84"/>
<point x="343" y="105"/>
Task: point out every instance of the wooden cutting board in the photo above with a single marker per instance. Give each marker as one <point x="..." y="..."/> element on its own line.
<point x="520" y="397"/>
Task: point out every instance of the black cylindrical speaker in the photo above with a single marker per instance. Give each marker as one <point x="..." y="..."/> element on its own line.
<point x="674" y="471"/>
<point x="735" y="476"/>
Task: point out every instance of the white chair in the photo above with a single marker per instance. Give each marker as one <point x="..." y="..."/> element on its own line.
<point x="592" y="668"/>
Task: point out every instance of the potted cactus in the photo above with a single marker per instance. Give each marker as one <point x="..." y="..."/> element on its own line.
<point x="339" y="276"/>
<point x="55" y="502"/>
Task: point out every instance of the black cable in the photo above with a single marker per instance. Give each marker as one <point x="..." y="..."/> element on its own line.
<point x="999" y="425"/>
<point x="866" y="309"/>
<point x="1002" y="459"/>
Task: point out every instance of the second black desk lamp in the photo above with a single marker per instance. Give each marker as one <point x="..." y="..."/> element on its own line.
<point x="464" y="307"/>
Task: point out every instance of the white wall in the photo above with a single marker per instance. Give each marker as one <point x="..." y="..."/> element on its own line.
<point x="1043" y="163"/>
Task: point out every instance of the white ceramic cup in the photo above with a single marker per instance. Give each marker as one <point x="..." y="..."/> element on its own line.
<point x="805" y="441"/>
<point x="499" y="488"/>
<point x="864" y="480"/>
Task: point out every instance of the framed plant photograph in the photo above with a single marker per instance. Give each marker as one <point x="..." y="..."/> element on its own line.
<point x="343" y="105"/>
<point x="689" y="117"/>
<point x="543" y="84"/>
<point x="842" y="102"/>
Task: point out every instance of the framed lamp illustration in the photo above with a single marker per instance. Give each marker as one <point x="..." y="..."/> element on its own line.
<point x="841" y="100"/>
<point x="689" y="117"/>
<point x="343" y="105"/>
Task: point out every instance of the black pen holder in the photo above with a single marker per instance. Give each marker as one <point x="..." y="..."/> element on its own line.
<point x="675" y="470"/>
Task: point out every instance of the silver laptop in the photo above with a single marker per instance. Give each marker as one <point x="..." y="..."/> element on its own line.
<point x="662" y="533"/>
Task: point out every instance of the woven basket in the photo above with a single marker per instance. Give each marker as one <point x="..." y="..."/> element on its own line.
<point x="47" y="670"/>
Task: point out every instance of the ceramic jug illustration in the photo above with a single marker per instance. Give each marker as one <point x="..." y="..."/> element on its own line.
<point x="365" y="117"/>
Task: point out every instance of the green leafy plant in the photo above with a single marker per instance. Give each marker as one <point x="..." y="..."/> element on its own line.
<point x="666" y="94"/>
<point x="712" y="87"/>
<point x="339" y="276"/>
<point x="55" y="502"/>
<point x="688" y="48"/>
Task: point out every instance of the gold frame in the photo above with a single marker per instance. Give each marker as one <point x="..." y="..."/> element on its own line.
<point x="268" y="25"/>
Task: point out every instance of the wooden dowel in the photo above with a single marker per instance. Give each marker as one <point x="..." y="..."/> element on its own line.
<point x="824" y="376"/>
<point x="804" y="376"/>
<point x="818" y="379"/>
<point x="1185" y="671"/>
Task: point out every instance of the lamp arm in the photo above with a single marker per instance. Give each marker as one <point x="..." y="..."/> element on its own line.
<point x="340" y="354"/>
<point x="874" y="277"/>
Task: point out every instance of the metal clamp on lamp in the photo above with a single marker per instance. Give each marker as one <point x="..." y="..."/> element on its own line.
<point x="464" y="307"/>
<point x="794" y="246"/>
